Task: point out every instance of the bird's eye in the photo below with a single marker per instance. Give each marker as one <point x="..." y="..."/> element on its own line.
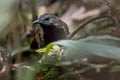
<point x="47" y="18"/>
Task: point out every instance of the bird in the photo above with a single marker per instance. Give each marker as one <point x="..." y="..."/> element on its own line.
<point x="53" y="28"/>
<point x="46" y="29"/>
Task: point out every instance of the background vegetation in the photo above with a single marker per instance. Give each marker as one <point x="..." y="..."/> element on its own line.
<point x="91" y="53"/>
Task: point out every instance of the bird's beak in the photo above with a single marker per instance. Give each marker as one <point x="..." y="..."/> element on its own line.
<point x="37" y="22"/>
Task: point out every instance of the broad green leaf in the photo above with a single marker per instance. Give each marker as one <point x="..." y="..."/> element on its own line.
<point x="25" y="73"/>
<point x="91" y="47"/>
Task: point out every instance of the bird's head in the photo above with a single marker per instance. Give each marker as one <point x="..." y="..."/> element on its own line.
<point x="51" y="23"/>
<point x="46" y="20"/>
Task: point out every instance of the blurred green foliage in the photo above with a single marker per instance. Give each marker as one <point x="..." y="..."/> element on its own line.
<point x="16" y="17"/>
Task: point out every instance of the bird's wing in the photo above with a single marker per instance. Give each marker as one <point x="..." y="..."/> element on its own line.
<point x="64" y="26"/>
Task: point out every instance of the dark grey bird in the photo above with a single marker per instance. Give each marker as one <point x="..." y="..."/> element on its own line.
<point x="53" y="28"/>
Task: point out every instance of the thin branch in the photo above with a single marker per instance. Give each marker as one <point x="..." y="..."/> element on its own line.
<point x="83" y="25"/>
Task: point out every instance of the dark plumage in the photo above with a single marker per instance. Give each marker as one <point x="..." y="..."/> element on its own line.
<point x="53" y="28"/>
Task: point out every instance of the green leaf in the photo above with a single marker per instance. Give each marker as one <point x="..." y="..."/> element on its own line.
<point x="41" y="50"/>
<point x="49" y="47"/>
<point x="91" y="47"/>
<point x="25" y="73"/>
<point x="20" y="50"/>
